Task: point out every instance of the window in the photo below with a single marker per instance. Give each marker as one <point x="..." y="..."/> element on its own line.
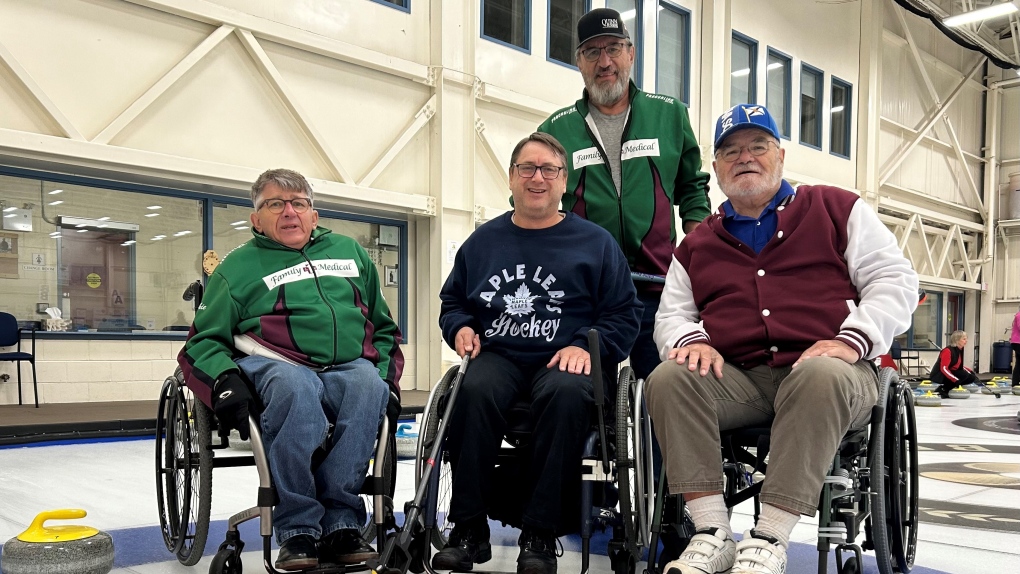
<point x="777" y="89"/>
<point x="743" y="55"/>
<point x="926" y="326"/>
<point x="118" y="258"/>
<point x="839" y="123"/>
<point x="811" y="106"/>
<point x="507" y="21"/>
<point x="404" y="5"/>
<point x="630" y="12"/>
<point x="563" y="17"/>
<point x="672" y="71"/>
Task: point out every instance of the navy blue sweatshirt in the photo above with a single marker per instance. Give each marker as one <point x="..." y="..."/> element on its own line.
<point x="528" y="293"/>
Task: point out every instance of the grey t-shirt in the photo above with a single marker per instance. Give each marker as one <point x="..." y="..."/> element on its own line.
<point x="611" y="131"/>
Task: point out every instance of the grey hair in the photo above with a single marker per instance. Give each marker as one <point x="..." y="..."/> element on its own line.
<point x="955" y="337"/>
<point x="283" y="178"/>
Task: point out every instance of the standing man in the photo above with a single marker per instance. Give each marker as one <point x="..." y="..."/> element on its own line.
<point x="631" y="156"/>
<point x="520" y="300"/>
<point x="311" y="299"/>
<point x="771" y="314"/>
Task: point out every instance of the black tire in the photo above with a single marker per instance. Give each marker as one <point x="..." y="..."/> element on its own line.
<point x="426" y="437"/>
<point x="226" y="561"/>
<point x="851" y="566"/>
<point x="629" y="473"/>
<point x="893" y="464"/>
<point x="368" y="530"/>
<point x="183" y="470"/>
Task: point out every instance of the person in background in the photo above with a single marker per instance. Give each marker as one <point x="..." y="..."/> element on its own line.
<point x="949" y="371"/>
<point x="1014" y="342"/>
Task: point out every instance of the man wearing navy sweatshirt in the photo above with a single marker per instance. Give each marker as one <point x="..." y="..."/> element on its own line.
<point x="524" y="291"/>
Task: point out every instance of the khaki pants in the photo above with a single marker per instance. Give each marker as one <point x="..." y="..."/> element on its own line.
<point x="811" y="409"/>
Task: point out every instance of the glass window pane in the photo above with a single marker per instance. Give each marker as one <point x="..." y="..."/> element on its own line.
<point x="839" y="139"/>
<point x="810" y="107"/>
<point x="777" y="90"/>
<point x="506" y="21"/>
<point x="628" y="10"/>
<point x="671" y="69"/>
<point x="741" y="72"/>
<point x="563" y="17"/>
<point x="383" y="245"/>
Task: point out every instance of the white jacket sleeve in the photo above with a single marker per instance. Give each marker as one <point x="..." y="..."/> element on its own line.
<point x="885" y="281"/>
<point x="678" y="321"/>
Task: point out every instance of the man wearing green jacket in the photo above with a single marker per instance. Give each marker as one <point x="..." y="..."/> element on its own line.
<point x="311" y="299"/>
<point x="631" y="157"/>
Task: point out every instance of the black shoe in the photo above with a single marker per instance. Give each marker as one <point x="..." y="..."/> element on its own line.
<point x="468" y="545"/>
<point x="943" y="392"/>
<point x="345" y="546"/>
<point x="538" y="553"/>
<point x="297" y="553"/>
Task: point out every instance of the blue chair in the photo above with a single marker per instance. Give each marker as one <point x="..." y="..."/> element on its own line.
<point x="10" y="334"/>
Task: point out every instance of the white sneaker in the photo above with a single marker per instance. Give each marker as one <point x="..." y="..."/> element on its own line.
<point x="709" y="552"/>
<point x="758" y="554"/>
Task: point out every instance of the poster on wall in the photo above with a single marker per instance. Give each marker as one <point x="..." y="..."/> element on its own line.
<point x="8" y="255"/>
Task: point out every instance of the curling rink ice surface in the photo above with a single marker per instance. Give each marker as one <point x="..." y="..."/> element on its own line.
<point x="970" y="498"/>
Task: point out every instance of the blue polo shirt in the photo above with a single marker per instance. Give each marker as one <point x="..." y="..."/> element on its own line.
<point x="756" y="233"/>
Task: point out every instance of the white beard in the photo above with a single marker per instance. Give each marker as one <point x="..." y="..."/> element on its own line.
<point x="602" y="95"/>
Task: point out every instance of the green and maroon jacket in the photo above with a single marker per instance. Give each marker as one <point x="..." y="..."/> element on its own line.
<point x="318" y="306"/>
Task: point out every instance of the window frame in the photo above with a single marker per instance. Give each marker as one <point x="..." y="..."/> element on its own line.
<point x="787" y="90"/>
<point x="938" y="302"/>
<point x="404" y="7"/>
<point x="527" y="29"/>
<point x="548" y="35"/>
<point x="752" y="48"/>
<point x="847" y="120"/>
<point x="819" y="107"/>
<point x="208" y="200"/>
<point x="636" y="40"/>
<point x="684" y="13"/>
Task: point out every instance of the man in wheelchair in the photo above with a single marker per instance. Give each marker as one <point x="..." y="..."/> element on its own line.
<point x="771" y="313"/>
<point x="524" y="291"/>
<point x="312" y="299"/>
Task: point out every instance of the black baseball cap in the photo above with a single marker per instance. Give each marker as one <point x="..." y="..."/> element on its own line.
<point x="600" y="22"/>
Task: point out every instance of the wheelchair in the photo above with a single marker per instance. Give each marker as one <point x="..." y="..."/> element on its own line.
<point x="617" y="457"/>
<point x="872" y="485"/>
<point x="186" y="457"/>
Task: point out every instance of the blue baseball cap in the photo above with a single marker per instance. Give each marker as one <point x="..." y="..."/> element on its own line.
<point x="742" y="116"/>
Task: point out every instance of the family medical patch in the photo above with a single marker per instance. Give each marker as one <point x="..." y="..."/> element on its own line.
<point x="322" y="267"/>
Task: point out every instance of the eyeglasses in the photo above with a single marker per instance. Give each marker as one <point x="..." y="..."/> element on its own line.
<point x="300" y="205"/>
<point x="732" y="152"/>
<point x="527" y="170"/>
<point x="612" y="50"/>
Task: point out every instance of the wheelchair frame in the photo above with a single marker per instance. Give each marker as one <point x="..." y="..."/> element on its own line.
<point x="185" y="459"/>
<point x="880" y="463"/>
<point x="629" y="467"/>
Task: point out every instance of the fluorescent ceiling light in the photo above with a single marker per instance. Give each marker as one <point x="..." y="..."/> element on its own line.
<point x="55" y="234"/>
<point x="81" y="222"/>
<point x="107" y="218"/>
<point x="837" y="109"/>
<point x="158" y="237"/>
<point x="56" y="191"/>
<point x="180" y="233"/>
<point x="10" y="215"/>
<point x="129" y="242"/>
<point x="741" y="73"/>
<point x="82" y="230"/>
<point x="993" y="11"/>
<point x="9" y="209"/>
<point x="241" y="228"/>
<point x="57" y="202"/>
<point x="154" y="207"/>
<point x="151" y="215"/>
<point x="242" y="222"/>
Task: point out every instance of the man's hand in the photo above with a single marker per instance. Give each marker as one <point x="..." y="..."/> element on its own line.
<point x="699" y="357"/>
<point x="831" y="348"/>
<point x="467" y="341"/>
<point x="690" y="225"/>
<point x="233" y="402"/>
<point x="574" y="360"/>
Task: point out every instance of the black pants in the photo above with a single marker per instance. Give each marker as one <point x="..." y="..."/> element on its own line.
<point x="1016" y="363"/>
<point x="964" y="377"/>
<point x="561" y="406"/>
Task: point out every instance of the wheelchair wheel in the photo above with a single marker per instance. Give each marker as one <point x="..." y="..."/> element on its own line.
<point x="368" y="530"/>
<point x="183" y="470"/>
<point x="893" y="462"/>
<point x="426" y="438"/>
<point x="226" y="561"/>
<point x="633" y="453"/>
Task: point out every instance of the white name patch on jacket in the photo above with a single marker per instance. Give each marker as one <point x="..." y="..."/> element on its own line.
<point x="587" y="156"/>
<point x="301" y="271"/>
<point x="640" y="148"/>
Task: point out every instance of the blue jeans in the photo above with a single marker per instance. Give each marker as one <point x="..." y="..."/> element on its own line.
<point x="299" y="405"/>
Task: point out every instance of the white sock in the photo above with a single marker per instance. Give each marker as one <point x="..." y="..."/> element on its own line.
<point x="777" y="523"/>
<point x="710" y="512"/>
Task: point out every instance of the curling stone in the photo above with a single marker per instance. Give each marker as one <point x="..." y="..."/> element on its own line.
<point x="959" y="393"/>
<point x="407" y="440"/>
<point x="973" y="387"/>
<point x="928" y="399"/>
<point x="1016" y="390"/>
<point x="913" y="383"/>
<point x="993" y="389"/>
<point x="235" y="442"/>
<point x="65" y="549"/>
<point x="926" y="385"/>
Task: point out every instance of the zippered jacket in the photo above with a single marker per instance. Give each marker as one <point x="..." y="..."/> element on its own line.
<point x="318" y="306"/>
<point x="660" y="167"/>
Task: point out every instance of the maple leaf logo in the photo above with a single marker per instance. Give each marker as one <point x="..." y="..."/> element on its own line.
<point x="520" y="302"/>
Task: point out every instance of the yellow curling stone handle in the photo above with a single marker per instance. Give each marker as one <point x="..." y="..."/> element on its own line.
<point x="38" y="533"/>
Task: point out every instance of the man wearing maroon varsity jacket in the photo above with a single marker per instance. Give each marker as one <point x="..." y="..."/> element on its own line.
<point x="771" y="313"/>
